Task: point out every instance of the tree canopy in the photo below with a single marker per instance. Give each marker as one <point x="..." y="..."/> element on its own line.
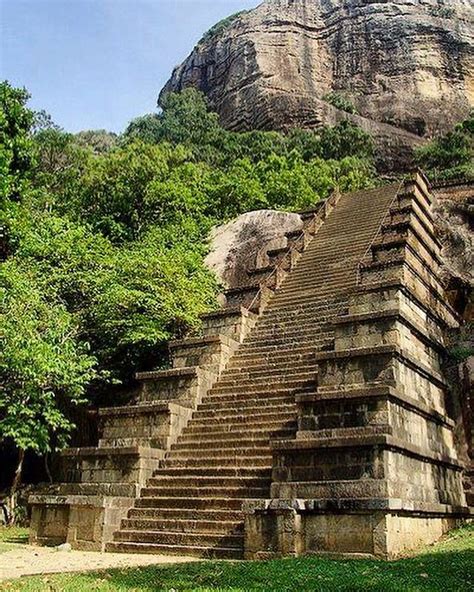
<point x="451" y="155"/>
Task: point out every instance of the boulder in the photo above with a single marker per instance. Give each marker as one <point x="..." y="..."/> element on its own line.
<point x="243" y="243"/>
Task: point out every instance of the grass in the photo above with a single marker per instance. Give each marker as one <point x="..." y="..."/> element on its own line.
<point x="11" y="537"/>
<point x="447" y="566"/>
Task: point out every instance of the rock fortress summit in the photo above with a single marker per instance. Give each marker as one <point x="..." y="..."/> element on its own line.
<point x="406" y="66"/>
<point x="315" y="412"/>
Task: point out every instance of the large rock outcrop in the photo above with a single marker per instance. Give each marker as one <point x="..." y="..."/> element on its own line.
<point x="407" y="66"/>
<point x="239" y="245"/>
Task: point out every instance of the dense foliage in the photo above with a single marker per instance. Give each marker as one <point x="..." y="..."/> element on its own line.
<point x="452" y="155"/>
<point x="221" y="26"/>
<point x="103" y="240"/>
<point x="340" y="102"/>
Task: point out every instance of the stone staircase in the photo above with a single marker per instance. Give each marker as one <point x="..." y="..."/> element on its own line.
<point x="193" y="503"/>
<point x="101" y="483"/>
<point x="215" y="456"/>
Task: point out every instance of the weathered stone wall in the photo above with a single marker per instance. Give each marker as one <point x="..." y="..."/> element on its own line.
<point x="374" y="451"/>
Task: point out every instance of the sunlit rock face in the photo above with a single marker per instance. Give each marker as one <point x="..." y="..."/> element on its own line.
<point x="406" y="65"/>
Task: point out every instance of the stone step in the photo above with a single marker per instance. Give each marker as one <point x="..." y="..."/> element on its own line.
<point x="277" y="391"/>
<point x="295" y="314"/>
<point x="331" y="246"/>
<point x="219" y="431"/>
<point x="305" y="328"/>
<point x="336" y="253"/>
<point x="238" y="403"/>
<point x="240" y="411"/>
<point x="228" y="541"/>
<point x="235" y="418"/>
<point x="185" y="514"/>
<point x="316" y="285"/>
<point x="270" y="393"/>
<point x="275" y="359"/>
<point x="204" y="552"/>
<point x="262" y="460"/>
<point x="323" y="289"/>
<point x="263" y="384"/>
<point x="183" y="525"/>
<point x="248" y="439"/>
<point x="314" y="278"/>
<point x="280" y="336"/>
<point x="264" y="473"/>
<point x="329" y="269"/>
<point x="226" y="454"/>
<point x="276" y="370"/>
<point x="190" y="503"/>
<point x="274" y="352"/>
<point x="215" y="480"/>
<point x="308" y="298"/>
<point x="206" y="492"/>
<point x="317" y="327"/>
<point x="283" y="341"/>
<point x="297" y="325"/>
<point x="332" y="278"/>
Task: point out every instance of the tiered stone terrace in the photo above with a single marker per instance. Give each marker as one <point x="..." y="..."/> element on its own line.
<point x="309" y="417"/>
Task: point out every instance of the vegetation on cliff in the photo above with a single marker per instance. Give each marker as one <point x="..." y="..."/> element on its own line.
<point x="222" y="25"/>
<point x="103" y="240"/>
<point x="451" y="155"/>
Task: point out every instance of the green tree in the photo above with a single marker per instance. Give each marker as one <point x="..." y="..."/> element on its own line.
<point x="61" y="162"/>
<point x="345" y="139"/>
<point x="16" y="146"/>
<point x="43" y="367"/>
<point x="125" y="191"/>
<point x="340" y="102"/>
<point x="451" y="155"/>
<point x="99" y="141"/>
<point x="126" y="300"/>
<point x="146" y="128"/>
<point x="185" y="119"/>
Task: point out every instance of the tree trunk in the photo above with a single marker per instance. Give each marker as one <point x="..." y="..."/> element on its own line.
<point x="46" y="466"/>
<point x="15" y="484"/>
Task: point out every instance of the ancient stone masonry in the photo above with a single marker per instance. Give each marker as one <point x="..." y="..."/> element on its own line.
<point x="373" y="468"/>
<point x="309" y="416"/>
<point x="101" y="484"/>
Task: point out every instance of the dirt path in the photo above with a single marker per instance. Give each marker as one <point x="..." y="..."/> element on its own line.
<point x="29" y="560"/>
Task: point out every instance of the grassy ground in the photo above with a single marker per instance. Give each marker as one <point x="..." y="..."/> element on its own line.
<point x="11" y="537"/>
<point x="447" y="566"/>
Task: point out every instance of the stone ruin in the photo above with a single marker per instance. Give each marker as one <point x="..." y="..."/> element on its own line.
<point x="310" y="416"/>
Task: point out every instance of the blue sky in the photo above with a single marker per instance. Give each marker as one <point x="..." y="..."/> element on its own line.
<point x="98" y="63"/>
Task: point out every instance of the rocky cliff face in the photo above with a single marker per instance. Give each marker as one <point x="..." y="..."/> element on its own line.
<point x="407" y="66"/>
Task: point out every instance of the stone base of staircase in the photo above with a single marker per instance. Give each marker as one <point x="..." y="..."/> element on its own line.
<point x="86" y="514"/>
<point x="378" y="528"/>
